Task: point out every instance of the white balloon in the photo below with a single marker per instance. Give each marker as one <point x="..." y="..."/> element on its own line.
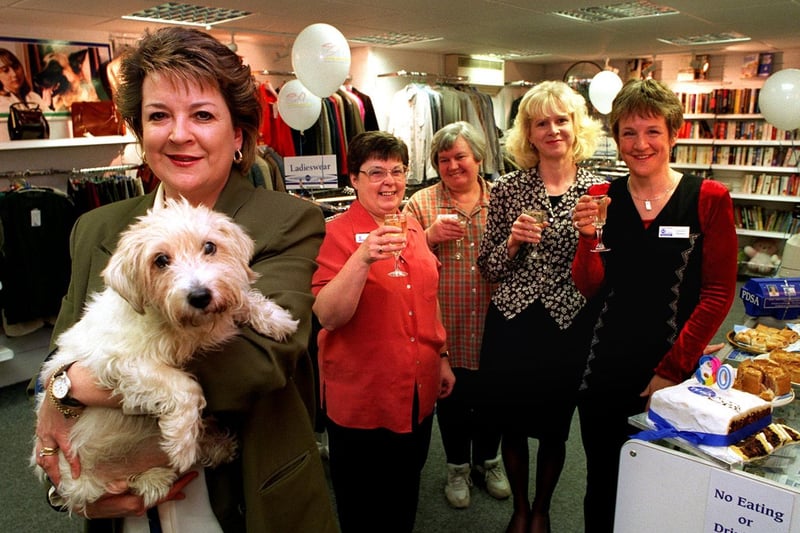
<point x="298" y="107"/>
<point x="321" y="59"/>
<point x="779" y="99"/>
<point x="602" y="89"/>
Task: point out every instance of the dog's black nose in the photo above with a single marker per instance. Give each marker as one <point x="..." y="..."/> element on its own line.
<point x="200" y="298"/>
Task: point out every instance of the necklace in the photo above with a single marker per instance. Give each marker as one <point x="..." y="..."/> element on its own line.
<point x="648" y="202"/>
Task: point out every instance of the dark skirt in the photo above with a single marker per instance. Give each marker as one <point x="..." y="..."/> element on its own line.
<point x="531" y="370"/>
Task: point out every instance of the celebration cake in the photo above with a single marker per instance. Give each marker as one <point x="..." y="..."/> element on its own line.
<point x="707" y="414"/>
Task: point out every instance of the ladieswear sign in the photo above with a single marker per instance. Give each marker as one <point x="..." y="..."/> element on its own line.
<point x="737" y="504"/>
<point x="310" y="172"/>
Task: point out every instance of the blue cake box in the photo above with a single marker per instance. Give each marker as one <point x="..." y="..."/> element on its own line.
<point x="775" y="297"/>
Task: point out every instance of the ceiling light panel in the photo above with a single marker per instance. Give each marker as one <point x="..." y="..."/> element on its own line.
<point x="187" y="14"/>
<point x="708" y="38"/>
<point x="393" y="39"/>
<point x="623" y="11"/>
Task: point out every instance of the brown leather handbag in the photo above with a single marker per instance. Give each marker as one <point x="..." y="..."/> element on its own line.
<point x="93" y="119"/>
<point x="27" y="122"/>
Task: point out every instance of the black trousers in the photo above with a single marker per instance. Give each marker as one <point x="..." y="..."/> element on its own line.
<point x="604" y="429"/>
<point x="467" y="435"/>
<point x="376" y="476"/>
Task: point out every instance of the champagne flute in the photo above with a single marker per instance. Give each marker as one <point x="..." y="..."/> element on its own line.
<point x="600" y="220"/>
<point x="539" y="217"/>
<point x="459" y="242"/>
<point x="397" y="220"/>
<point x="458" y="256"/>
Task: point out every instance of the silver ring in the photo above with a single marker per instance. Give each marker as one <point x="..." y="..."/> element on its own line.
<point x="46" y="451"/>
<point x="576" y="225"/>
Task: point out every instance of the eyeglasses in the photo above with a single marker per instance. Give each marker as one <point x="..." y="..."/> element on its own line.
<point x="378" y="174"/>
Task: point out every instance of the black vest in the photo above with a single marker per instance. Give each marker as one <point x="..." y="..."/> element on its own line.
<point x="652" y="284"/>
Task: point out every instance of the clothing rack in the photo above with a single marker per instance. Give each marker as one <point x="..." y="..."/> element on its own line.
<point x="416" y="74"/>
<point x="103" y="170"/>
<point x="284" y="73"/>
<point x="24" y="174"/>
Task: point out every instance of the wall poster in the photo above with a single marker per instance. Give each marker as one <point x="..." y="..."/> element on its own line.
<point x="52" y="74"/>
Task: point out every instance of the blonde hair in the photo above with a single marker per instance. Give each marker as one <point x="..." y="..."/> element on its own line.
<point x="544" y="99"/>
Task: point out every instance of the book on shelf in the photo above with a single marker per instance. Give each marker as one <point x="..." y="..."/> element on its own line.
<point x="765" y="64"/>
<point x="771" y="184"/>
<point x="750" y="66"/>
<point x="758" y="218"/>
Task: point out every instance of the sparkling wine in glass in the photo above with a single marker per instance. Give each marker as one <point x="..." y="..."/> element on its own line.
<point x="600" y="220"/>
<point x="462" y="222"/>
<point x="397" y="220"/>
<point x="460" y="241"/>
<point x="539" y="217"/>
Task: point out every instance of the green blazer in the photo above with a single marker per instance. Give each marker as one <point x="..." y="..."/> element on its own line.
<point x="261" y="389"/>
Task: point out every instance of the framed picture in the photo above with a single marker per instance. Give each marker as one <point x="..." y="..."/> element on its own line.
<point x="765" y="64"/>
<point x="52" y="74"/>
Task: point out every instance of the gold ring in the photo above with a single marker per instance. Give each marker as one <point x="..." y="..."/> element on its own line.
<point x="45" y="451"/>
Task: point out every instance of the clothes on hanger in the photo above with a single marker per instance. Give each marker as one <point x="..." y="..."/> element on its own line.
<point x="35" y="224"/>
<point x="90" y="190"/>
<point x="418" y="110"/>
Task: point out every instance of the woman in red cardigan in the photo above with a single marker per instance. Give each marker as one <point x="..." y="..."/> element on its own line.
<point x="666" y="284"/>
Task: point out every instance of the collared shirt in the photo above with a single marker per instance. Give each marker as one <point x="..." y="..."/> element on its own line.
<point x="538" y="271"/>
<point x="464" y="294"/>
<point x="371" y="366"/>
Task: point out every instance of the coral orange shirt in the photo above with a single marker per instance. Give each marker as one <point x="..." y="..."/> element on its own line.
<point x="371" y="366"/>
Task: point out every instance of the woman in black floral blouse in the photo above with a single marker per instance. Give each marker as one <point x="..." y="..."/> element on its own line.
<point x="537" y="326"/>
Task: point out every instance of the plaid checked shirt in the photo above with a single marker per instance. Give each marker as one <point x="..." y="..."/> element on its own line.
<point x="463" y="293"/>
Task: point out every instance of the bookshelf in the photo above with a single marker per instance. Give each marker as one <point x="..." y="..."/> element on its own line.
<point x="724" y="137"/>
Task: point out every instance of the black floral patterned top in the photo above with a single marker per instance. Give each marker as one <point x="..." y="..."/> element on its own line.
<point x="538" y="271"/>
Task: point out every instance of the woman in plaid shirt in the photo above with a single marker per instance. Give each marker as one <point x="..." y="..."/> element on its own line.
<point x="457" y="151"/>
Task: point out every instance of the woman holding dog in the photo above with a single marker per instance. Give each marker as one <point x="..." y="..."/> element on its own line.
<point x="192" y="105"/>
<point x="382" y="353"/>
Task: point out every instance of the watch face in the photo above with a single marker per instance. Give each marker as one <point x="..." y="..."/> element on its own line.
<point x="61" y="386"/>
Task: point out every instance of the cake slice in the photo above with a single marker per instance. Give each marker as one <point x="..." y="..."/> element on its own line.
<point x="765" y="441"/>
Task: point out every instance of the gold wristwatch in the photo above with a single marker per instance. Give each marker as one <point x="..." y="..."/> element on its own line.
<point x="58" y="392"/>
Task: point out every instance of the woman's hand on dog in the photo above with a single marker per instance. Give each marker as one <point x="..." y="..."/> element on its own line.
<point x="127" y="504"/>
<point x="52" y="431"/>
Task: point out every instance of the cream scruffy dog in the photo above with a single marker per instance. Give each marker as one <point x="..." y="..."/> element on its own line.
<point x="178" y="283"/>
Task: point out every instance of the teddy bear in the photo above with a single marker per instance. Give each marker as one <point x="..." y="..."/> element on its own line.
<point x="763" y="254"/>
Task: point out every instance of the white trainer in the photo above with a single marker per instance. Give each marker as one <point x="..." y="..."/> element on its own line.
<point x="494" y="477"/>
<point x="458" y="484"/>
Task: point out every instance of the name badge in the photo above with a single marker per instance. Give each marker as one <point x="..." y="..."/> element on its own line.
<point x="361" y="237"/>
<point x="673" y="232"/>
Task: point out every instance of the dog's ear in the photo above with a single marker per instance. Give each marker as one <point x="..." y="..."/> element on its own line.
<point x="239" y="242"/>
<point x="120" y="275"/>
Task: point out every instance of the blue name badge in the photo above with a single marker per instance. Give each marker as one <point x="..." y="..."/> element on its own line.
<point x="673" y="232"/>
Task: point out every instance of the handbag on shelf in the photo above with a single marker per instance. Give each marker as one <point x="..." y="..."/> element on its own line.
<point x="92" y="119"/>
<point x="26" y="121"/>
